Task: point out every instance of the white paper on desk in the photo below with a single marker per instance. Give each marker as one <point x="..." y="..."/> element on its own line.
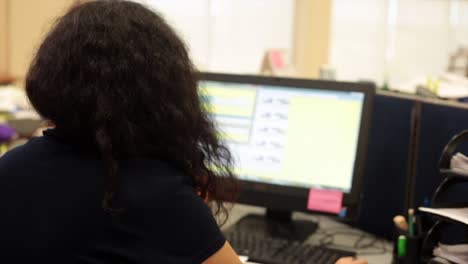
<point x="460" y="172"/>
<point x="452" y="91"/>
<point x="458" y="214"/>
<point x="453" y="253"/>
<point x="459" y="164"/>
<point x="454" y="78"/>
<point x="462" y="159"/>
<point x="453" y="86"/>
<point x="455" y="249"/>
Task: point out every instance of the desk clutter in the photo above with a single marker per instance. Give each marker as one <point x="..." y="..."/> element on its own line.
<point x="331" y="236"/>
<point x="439" y="233"/>
<point x="18" y="122"/>
<point x="408" y="238"/>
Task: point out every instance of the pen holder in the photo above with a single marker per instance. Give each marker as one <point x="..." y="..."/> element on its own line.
<point x="413" y="250"/>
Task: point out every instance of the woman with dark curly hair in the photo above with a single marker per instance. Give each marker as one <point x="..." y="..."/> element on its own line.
<point x="133" y="170"/>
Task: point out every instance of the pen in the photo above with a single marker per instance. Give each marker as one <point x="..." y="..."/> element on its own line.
<point x="401" y="246"/>
<point x="411" y="221"/>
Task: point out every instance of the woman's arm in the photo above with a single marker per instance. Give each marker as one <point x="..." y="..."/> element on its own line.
<point x="226" y="255"/>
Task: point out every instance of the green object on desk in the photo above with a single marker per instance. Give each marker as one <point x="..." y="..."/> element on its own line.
<point x="401" y="246"/>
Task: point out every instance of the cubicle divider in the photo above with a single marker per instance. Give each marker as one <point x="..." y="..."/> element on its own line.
<point x="391" y="186"/>
<point x="386" y="164"/>
<point x="439" y="123"/>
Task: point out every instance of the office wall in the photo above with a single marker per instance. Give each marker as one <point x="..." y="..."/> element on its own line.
<point x="28" y="21"/>
<point x="396" y="40"/>
<point x="230" y="35"/>
<point x="242" y="30"/>
<point x="301" y="26"/>
<point x="312" y="35"/>
<point x="3" y="39"/>
<point x="358" y="39"/>
<point x="233" y="35"/>
<point x="427" y="33"/>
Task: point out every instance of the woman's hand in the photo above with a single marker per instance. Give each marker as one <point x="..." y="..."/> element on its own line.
<point x="351" y="260"/>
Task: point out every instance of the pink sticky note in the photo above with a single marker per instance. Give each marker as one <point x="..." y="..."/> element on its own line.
<point x="327" y="201"/>
<point x="277" y="59"/>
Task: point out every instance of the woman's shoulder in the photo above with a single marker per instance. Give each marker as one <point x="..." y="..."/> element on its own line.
<point x="180" y="221"/>
<point x="19" y="155"/>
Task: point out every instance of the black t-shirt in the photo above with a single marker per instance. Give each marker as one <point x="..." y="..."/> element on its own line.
<point x="51" y="194"/>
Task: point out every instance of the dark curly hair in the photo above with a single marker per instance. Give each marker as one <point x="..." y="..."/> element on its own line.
<point x="115" y="76"/>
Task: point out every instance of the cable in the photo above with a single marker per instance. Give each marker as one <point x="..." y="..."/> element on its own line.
<point x="362" y="244"/>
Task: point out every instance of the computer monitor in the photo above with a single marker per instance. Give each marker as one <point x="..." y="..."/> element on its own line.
<point x="291" y="136"/>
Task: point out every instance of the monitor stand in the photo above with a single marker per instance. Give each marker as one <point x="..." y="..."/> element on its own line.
<point x="277" y="224"/>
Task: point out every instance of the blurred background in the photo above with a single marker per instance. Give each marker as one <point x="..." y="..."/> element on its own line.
<point x="392" y="41"/>
<point x="398" y="44"/>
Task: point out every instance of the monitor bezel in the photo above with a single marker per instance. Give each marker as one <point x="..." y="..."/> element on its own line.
<point x="295" y="198"/>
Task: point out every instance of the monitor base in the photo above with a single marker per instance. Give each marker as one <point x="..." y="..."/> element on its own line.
<point x="277" y="224"/>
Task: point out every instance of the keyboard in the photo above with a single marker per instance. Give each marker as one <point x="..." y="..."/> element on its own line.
<point x="279" y="251"/>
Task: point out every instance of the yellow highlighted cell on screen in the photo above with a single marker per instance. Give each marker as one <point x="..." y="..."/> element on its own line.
<point x="229" y="101"/>
<point x="236" y="137"/>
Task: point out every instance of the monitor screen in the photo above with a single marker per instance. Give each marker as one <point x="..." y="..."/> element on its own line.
<point x="303" y="137"/>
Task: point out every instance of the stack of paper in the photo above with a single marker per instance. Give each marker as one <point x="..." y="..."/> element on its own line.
<point x="459" y="164"/>
<point x="12" y="99"/>
<point x="445" y="85"/>
<point x="457" y="214"/>
<point x="453" y="253"/>
<point x="452" y="86"/>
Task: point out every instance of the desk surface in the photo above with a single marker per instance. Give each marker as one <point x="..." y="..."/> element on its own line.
<point x="344" y="236"/>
